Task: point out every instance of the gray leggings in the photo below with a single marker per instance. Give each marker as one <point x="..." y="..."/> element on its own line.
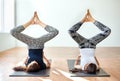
<point x="92" y="42"/>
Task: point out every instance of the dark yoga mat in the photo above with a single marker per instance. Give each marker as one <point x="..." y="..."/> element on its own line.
<point x="41" y="73"/>
<point x="101" y="73"/>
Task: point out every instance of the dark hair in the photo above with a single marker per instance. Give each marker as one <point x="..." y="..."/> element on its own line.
<point x="19" y="68"/>
<point x="33" y="67"/>
<point x="91" y="68"/>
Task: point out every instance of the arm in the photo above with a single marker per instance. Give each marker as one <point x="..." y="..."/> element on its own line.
<point x="101" y="36"/>
<point x="97" y="63"/>
<point x="73" y="31"/>
<point x="30" y="22"/>
<point x="77" y="60"/>
<point x="102" y="27"/>
<point x="75" y="27"/>
<point x="46" y="61"/>
<point x="16" y="32"/>
<point x="86" y="18"/>
<point x="76" y="65"/>
<point x="52" y="32"/>
<point x="37" y="21"/>
<point x="21" y="65"/>
<point x="25" y="60"/>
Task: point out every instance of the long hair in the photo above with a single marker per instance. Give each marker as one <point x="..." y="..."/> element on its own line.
<point x="91" y="69"/>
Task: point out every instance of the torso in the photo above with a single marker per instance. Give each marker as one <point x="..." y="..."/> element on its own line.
<point x="36" y="55"/>
<point x="87" y="56"/>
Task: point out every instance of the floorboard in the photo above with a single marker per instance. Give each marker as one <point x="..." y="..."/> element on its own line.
<point x="109" y="58"/>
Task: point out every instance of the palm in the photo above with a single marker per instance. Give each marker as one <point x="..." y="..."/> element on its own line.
<point x="35" y="19"/>
<point x="88" y="17"/>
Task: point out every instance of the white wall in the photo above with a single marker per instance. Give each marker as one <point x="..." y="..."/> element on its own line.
<point x="6" y="41"/>
<point x="62" y="14"/>
<point x="6" y="23"/>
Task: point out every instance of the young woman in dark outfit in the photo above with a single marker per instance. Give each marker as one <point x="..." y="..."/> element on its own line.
<point x="88" y="63"/>
<point x="34" y="61"/>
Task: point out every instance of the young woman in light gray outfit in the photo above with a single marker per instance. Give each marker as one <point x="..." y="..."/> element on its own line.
<point x="89" y="62"/>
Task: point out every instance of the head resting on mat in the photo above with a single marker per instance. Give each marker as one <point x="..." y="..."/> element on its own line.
<point x="90" y="68"/>
<point x="33" y="67"/>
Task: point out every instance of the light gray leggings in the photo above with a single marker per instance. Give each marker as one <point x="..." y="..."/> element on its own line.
<point x="92" y="42"/>
<point x="34" y="43"/>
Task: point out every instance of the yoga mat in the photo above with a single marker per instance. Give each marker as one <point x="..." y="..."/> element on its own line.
<point x="41" y="73"/>
<point x="101" y="73"/>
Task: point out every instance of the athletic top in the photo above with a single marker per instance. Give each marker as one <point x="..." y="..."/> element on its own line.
<point x="87" y="56"/>
<point x="36" y="55"/>
<point x="35" y="45"/>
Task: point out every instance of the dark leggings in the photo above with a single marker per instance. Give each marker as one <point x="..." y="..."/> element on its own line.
<point x="92" y="42"/>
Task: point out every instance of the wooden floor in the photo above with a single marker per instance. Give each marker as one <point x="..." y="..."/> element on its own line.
<point x="109" y="58"/>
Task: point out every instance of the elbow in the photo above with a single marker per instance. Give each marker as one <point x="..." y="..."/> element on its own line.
<point x="108" y="31"/>
<point x="56" y="32"/>
<point x="69" y="31"/>
<point x="12" y="32"/>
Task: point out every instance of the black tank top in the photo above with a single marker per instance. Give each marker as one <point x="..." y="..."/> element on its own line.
<point x="36" y="55"/>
